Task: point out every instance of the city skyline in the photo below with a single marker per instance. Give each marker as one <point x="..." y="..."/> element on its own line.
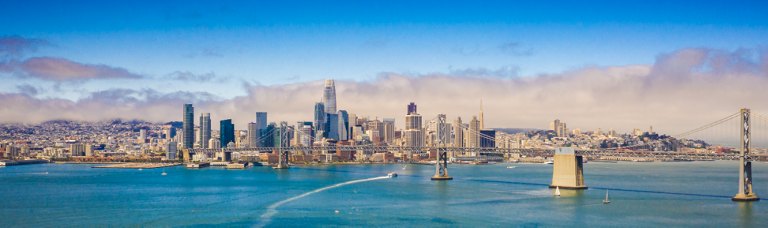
<point x="526" y="72"/>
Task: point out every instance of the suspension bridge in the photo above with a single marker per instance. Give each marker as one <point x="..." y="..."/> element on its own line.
<point x="568" y="164"/>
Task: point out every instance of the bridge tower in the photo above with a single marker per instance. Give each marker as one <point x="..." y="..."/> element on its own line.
<point x="568" y="170"/>
<point x="283" y="147"/>
<point x="441" y="166"/>
<point x="745" y="166"/>
<point x="282" y="159"/>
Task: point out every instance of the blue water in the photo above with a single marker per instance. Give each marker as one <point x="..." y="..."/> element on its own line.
<point x="692" y="194"/>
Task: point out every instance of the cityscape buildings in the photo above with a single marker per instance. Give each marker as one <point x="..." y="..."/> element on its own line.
<point x="189" y="126"/>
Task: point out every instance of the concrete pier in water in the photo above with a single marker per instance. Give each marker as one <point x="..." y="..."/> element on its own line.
<point x="568" y="170"/>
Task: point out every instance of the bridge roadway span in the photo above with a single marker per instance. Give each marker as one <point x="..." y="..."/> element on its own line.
<point x="499" y="152"/>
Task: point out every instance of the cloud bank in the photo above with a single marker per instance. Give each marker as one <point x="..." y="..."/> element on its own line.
<point x="12" y="48"/>
<point x="680" y="91"/>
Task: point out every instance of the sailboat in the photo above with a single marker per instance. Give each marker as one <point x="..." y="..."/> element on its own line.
<point x="557" y="191"/>
<point x="606" y="201"/>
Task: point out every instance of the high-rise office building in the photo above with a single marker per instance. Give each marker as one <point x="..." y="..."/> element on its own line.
<point x="487" y="138"/>
<point x="205" y="129"/>
<point x="319" y="120"/>
<point x="189" y="126"/>
<point x="253" y="134"/>
<point x="559" y="128"/>
<point x="458" y="133"/>
<point x="473" y="135"/>
<point x="142" y="136"/>
<point x="329" y="96"/>
<point x="261" y="120"/>
<point x="170" y="151"/>
<point x="413" y="132"/>
<point x="226" y="133"/>
<point x="303" y="134"/>
<point x="411" y="108"/>
<point x="343" y="127"/>
<point x="389" y="130"/>
<point x="332" y="126"/>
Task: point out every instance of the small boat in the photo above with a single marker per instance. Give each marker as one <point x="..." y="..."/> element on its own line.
<point x="606" y="201"/>
<point x="391" y="174"/>
<point x="336" y="211"/>
<point x="550" y="162"/>
<point x="164" y="173"/>
<point x="511" y="167"/>
<point x="557" y="191"/>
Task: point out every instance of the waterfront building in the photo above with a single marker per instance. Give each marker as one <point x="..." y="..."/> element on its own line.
<point x="226" y="132"/>
<point x="77" y="149"/>
<point x="329" y="96"/>
<point x="189" y="126"/>
<point x="171" y="150"/>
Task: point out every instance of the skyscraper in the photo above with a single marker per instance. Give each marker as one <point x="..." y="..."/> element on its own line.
<point x="458" y="133"/>
<point x="329" y="96"/>
<point x="332" y="126"/>
<point x="261" y="125"/>
<point x="226" y="133"/>
<point x="253" y="134"/>
<point x="343" y="127"/>
<point x="473" y="135"/>
<point x="189" y="126"/>
<point x="413" y="130"/>
<point x="319" y="120"/>
<point x="411" y="108"/>
<point x="487" y="138"/>
<point x="205" y="129"/>
<point x="389" y="130"/>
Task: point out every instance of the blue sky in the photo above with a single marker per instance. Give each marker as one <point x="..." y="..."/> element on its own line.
<point x="292" y="41"/>
<point x="235" y="52"/>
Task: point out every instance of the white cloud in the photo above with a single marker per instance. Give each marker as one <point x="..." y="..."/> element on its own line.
<point x="681" y="91"/>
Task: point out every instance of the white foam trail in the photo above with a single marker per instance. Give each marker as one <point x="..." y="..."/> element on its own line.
<point x="272" y="209"/>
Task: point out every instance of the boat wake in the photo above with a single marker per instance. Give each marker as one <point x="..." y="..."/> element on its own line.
<point x="272" y="209"/>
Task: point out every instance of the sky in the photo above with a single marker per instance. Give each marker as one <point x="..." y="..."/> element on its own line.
<point x="594" y="64"/>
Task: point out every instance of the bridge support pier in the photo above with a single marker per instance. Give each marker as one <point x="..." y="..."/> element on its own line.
<point x="745" y="192"/>
<point x="441" y="166"/>
<point x="568" y="170"/>
<point x="282" y="160"/>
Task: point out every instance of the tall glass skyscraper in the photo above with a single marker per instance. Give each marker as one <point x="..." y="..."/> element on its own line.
<point x="205" y="129"/>
<point x="261" y="125"/>
<point x="332" y="126"/>
<point x="226" y="133"/>
<point x="319" y="120"/>
<point x="188" y="126"/>
<point x="329" y="96"/>
<point x="343" y="125"/>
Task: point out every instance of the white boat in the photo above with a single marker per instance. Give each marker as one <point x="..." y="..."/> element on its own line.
<point x="557" y="191"/>
<point x="164" y="173"/>
<point x="391" y="174"/>
<point x="550" y="162"/>
<point x="606" y="201"/>
<point x="511" y="167"/>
